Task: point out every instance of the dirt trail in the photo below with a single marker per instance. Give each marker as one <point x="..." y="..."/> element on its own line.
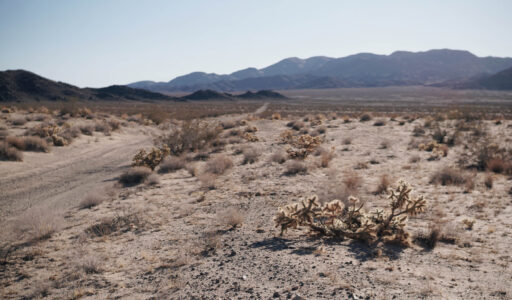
<point x="61" y="178"/>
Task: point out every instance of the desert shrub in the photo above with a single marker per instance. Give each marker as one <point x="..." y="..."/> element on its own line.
<point x="153" y="179"/>
<point x="335" y="219"/>
<point x="321" y="130"/>
<point x="418" y="131"/>
<point x="250" y="154"/>
<point x="134" y="176"/>
<point x="414" y="159"/>
<point x="102" y="126"/>
<point x="365" y="117"/>
<point x="19" y="120"/>
<point x="231" y="217"/>
<point x="438" y="150"/>
<point x="352" y="181"/>
<point x="347" y="141"/>
<point x="448" y="176"/>
<point x="439" y="135"/>
<point x="208" y="180"/>
<point x="278" y="157"/>
<point x="7" y="152"/>
<point x="120" y="223"/>
<point x="385" y="144"/>
<point x="482" y="154"/>
<point x="43" y="130"/>
<point x="498" y="165"/>
<point x="251" y="129"/>
<point x="298" y="125"/>
<point x="219" y="165"/>
<point x="151" y="159"/>
<point x="91" y="200"/>
<point x="383" y="184"/>
<point x="171" y="164"/>
<point x="37" y="224"/>
<point x="228" y="124"/>
<point x="380" y="122"/>
<point x="87" y="129"/>
<point x="488" y="181"/>
<point x="191" y="169"/>
<point x="294" y="167"/>
<point x="326" y="157"/>
<point x="302" y="146"/>
<point x="430" y="239"/>
<point x="250" y="137"/>
<point x="346" y="119"/>
<point x="191" y="136"/>
<point x="276" y="116"/>
<point x="158" y="116"/>
<point x="28" y="143"/>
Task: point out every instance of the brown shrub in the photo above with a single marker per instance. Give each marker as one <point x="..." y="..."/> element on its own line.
<point x="158" y="116"/>
<point x="383" y="185"/>
<point x="87" y="129"/>
<point x="352" y="182"/>
<point x="191" y="168"/>
<point x="429" y="240"/>
<point x="228" y="124"/>
<point x="347" y="141"/>
<point x="28" y="143"/>
<point x="251" y="155"/>
<point x="298" y="125"/>
<point x="448" y="176"/>
<point x="171" y="164"/>
<point x="326" y="157"/>
<point x="414" y="159"/>
<point x="385" y="144"/>
<point x="153" y="179"/>
<point x="91" y="200"/>
<point x="208" y="180"/>
<point x="365" y="117"/>
<point x="120" y="223"/>
<point x="134" y="176"/>
<point x="19" y="120"/>
<point x="9" y="153"/>
<point x="488" y="181"/>
<point x="294" y="167"/>
<point x="38" y="223"/>
<point x="191" y="136"/>
<point x="219" y="165"/>
<point x="498" y="165"/>
<point x="321" y="130"/>
<point x="278" y="157"/>
<point x="231" y="217"/>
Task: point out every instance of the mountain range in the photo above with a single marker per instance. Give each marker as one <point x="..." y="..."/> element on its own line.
<point x="20" y="85"/>
<point x="433" y="67"/>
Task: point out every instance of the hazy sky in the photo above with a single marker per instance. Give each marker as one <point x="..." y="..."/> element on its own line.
<point x="100" y="42"/>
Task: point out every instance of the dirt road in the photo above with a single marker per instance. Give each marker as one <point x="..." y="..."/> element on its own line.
<point x="60" y="179"/>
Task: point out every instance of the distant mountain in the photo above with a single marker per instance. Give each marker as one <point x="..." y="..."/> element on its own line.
<point x="359" y="70"/>
<point x="499" y="81"/>
<point x="20" y="85"/>
<point x="214" y="95"/>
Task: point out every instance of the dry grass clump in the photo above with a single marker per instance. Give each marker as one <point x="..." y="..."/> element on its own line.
<point x="91" y="200"/>
<point x="28" y="143"/>
<point x="414" y="159"/>
<point x="231" y="217"/>
<point x="171" y="164"/>
<point x="278" y="157"/>
<point x="190" y="136"/>
<point x="7" y="152"/>
<point x="448" y="176"/>
<point x="208" y="180"/>
<point x="251" y="155"/>
<point x="326" y="157"/>
<point x="498" y="165"/>
<point x="365" y="117"/>
<point x="219" y="165"/>
<point x="134" y="176"/>
<point x="383" y="184"/>
<point x="335" y="219"/>
<point x="352" y="181"/>
<point x="38" y="224"/>
<point x="120" y="223"/>
<point x="294" y="167"/>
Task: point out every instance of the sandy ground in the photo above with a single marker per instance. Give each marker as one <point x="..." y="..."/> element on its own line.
<point x="174" y="240"/>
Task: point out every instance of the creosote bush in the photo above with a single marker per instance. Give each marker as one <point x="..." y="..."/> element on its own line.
<point x="250" y="154"/>
<point x="171" y="164"/>
<point x="219" y="165"/>
<point x="28" y="143"/>
<point x="7" y="152"/>
<point x="448" y="176"/>
<point x="278" y="157"/>
<point x="190" y="136"/>
<point x="335" y="219"/>
<point x="91" y="200"/>
<point x="294" y="167"/>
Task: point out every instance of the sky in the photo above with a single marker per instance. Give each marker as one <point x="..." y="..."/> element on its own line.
<point x="97" y="43"/>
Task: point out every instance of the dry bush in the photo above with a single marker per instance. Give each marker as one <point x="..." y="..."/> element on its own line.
<point x="335" y="219"/>
<point x="294" y="167"/>
<point x="346" y="119"/>
<point x="120" y="223"/>
<point x="297" y="125"/>
<point x="87" y="129"/>
<point x="210" y="243"/>
<point x="114" y="124"/>
<point x="190" y="136"/>
<point x="18" y="120"/>
<point x="9" y="153"/>
<point x="498" y="165"/>
<point x="90" y="265"/>
<point x="347" y="141"/>
<point x="191" y="169"/>
<point x="488" y="181"/>
<point x="365" y="117"/>
<point x="383" y="185"/>
<point x="231" y="217"/>
<point x="91" y="200"/>
<point x="151" y="159"/>
<point x="278" y="157"/>
<point x="43" y="130"/>
<point x="208" y="180"/>
<point x="321" y="130"/>
<point x="385" y="144"/>
<point x="28" y="143"/>
<point x="482" y="154"/>
<point x="102" y="126"/>
<point x="219" y="165"/>
<point x="158" y="117"/>
<point x="414" y="159"/>
<point x="352" y="181"/>
<point x="448" y="176"/>
<point x="171" y="164"/>
<point x="418" y="131"/>
<point x="153" y="179"/>
<point x="380" y="122"/>
<point x="430" y="239"/>
<point x="37" y="224"/>
<point x="251" y="129"/>
<point x="326" y="157"/>
<point x="228" y="124"/>
<point x="251" y="155"/>
<point x="134" y="176"/>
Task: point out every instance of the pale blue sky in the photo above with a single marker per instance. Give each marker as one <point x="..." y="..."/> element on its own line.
<point x="101" y="42"/>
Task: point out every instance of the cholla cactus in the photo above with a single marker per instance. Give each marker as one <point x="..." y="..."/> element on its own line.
<point x="250" y="137"/>
<point x="301" y="146"/>
<point x="151" y="159"/>
<point x="351" y="221"/>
